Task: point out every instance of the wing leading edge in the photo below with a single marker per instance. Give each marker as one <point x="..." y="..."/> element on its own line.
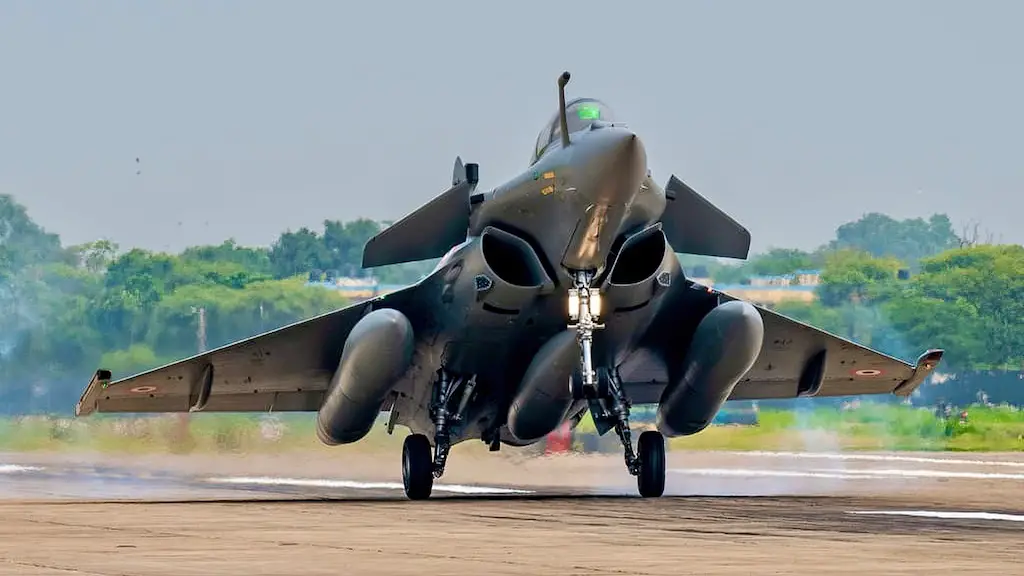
<point x="283" y="370"/>
<point x="796" y="360"/>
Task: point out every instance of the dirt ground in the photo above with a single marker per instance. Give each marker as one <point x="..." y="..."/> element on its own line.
<point x="582" y="519"/>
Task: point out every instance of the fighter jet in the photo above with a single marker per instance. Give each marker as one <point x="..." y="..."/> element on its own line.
<point x="557" y="292"/>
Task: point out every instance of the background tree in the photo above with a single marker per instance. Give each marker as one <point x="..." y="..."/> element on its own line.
<point x="344" y="244"/>
<point x="296" y="253"/>
<point x="852" y="276"/>
<point x="338" y="250"/>
<point x="908" y="240"/>
<point x="253" y="260"/>
<point x="23" y="243"/>
<point x="876" y="234"/>
<point x="969" y="301"/>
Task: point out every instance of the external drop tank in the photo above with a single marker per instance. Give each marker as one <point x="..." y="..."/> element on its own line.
<point x="377" y="353"/>
<point x="543" y="398"/>
<point x="725" y="346"/>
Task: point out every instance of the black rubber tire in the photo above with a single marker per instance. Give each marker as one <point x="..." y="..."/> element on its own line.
<point x="579" y="392"/>
<point x="651" y="452"/>
<point x="576" y="386"/>
<point x="417" y="467"/>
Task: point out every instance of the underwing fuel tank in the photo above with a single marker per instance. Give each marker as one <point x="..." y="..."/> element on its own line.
<point x="377" y="353"/>
<point x="544" y="398"/>
<point x="725" y="345"/>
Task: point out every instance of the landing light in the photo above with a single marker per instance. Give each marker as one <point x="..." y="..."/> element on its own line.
<point x="595" y="304"/>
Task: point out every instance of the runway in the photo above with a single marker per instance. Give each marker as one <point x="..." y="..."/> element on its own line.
<point x="321" y="513"/>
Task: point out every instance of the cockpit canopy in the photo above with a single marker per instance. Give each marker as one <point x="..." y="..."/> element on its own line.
<point x="580" y="114"/>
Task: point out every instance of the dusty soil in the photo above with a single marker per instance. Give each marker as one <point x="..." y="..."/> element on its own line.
<point x="560" y="531"/>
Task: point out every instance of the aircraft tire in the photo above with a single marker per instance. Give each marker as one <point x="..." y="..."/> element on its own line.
<point x="651" y="451"/>
<point x="417" y="467"/>
<point x="576" y="386"/>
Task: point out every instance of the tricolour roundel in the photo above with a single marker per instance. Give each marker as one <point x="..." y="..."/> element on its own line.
<point x="867" y="372"/>
<point x="143" y="389"/>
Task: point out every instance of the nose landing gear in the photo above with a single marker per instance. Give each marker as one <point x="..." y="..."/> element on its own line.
<point x="584" y="311"/>
<point x="609" y="404"/>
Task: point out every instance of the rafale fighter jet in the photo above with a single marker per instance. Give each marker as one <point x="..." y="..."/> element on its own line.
<point x="557" y="292"/>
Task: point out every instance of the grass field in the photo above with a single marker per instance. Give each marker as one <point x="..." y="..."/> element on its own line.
<point x="870" y="427"/>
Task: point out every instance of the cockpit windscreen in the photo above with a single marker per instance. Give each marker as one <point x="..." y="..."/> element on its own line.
<point x="580" y="114"/>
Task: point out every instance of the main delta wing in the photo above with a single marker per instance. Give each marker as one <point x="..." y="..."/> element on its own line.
<point x="288" y="369"/>
<point x="795" y="359"/>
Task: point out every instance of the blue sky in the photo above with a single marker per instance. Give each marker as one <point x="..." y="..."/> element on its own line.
<point x="250" y="117"/>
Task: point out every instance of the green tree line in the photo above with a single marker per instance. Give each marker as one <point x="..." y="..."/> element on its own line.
<point x="66" y="310"/>
<point x="954" y="292"/>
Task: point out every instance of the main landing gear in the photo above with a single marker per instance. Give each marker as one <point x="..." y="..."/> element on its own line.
<point x="609" y="404"/>
<point x="420" y="464"/>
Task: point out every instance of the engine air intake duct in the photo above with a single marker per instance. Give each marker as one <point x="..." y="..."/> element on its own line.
<point x="511" y="259"/>
<point x="631" y="281"/>
<point x="505" y="272"/>
<point x="640" y="257"/>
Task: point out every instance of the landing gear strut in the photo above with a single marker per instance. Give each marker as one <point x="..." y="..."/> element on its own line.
<point x="584" y="311"/>
<point x="610" y="410"/>
<point x="451" y="396"/>
<point x="648" y="464"/>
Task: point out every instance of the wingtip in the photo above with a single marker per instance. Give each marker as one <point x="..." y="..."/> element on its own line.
<point x="83" y="407"/>
<point x="930" y="359"/>
<point x="924" y="366"/>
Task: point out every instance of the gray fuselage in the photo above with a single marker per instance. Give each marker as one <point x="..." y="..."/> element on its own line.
<point x="503" y="292"/>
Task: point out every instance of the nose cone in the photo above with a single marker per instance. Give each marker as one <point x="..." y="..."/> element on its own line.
<point x="621" y="147"/>
<point x="617" y="166"/>
<point x="612" y="164"/>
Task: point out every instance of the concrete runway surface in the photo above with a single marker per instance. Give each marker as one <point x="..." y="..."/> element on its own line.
<point x="339" y="512"/>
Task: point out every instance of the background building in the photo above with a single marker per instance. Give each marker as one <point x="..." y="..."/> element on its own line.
<point x="356" y="289"/>
<point x="769" y="290"/>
